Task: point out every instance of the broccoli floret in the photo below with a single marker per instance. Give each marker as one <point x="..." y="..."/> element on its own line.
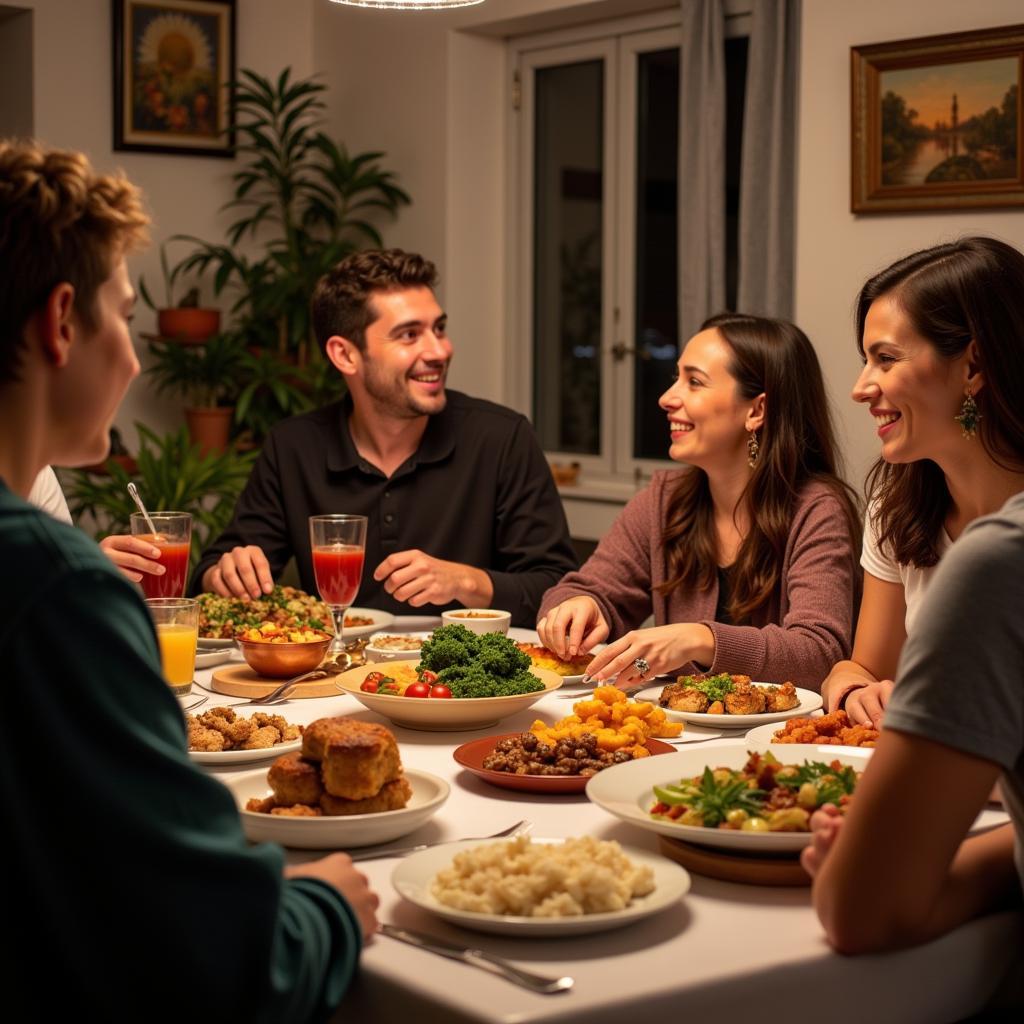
<point x="448" y="645"/>
<point x="500" y="656"/>
<point x="475" y="681"/>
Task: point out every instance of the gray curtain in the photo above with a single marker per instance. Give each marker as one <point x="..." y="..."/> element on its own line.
<point x="701" y="164"/>
<point x="768" y="169"/>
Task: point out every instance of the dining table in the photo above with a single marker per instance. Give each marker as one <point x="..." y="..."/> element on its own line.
<point x="725" y="951"/>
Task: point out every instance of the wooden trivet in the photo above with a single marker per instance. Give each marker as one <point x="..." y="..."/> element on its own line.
<point x="731" y="866"/>
<point x="241" y="681"/>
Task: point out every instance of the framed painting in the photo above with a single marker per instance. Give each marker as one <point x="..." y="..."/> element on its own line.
<point x="936" y="122"/>
<point x="173" y="62"/>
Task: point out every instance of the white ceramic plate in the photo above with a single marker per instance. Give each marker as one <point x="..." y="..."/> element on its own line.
<point x="216" y="643"/>
<point x="809" y="701"/>
<point x="337" y="832"/>
<point x="626" y="791"/>
<point x="381" y="620"/>
<point x="413" y="876"/>
<point x="230" y="758"/>
<point x="214" y="656"/>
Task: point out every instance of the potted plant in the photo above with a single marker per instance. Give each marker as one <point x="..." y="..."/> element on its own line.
<point x="303" y="199"/>
<point x="208" y="379"/>
<point x="171" y="474"/>
<point x="185" y="323"/>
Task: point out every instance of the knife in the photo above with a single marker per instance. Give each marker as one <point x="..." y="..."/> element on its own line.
<point x="479" y="958"/>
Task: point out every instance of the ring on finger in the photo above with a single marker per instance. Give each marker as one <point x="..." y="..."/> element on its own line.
<point x="642" y="666"/>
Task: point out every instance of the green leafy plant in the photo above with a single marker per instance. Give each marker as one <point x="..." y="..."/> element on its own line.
<point x="272" y="390"/>
<point x="205" y="375"/>
<point x="303" y="198"/>
<point x="190" y="300"/>
<point x="171" y="475"/>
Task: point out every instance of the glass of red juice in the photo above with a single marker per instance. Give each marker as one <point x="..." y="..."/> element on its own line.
<point x="338" y="543"/>
<point x="173" y="539"/>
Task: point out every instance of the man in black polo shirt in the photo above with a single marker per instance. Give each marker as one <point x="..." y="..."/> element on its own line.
<point x="461" y="505"/>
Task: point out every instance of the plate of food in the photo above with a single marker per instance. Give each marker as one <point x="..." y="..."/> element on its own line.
<point x="551" y="769"/>
<point x="571" y="670"/>
<point x="705" y="796"/>
<point x="214" y="657"/>
<point x="463" y="680"/>
<point x="825" y="730"/>
<point x="728" y="701"/>
<point x="595" y="885"/>
<point x="221" y="619"/>
<point x="364" y="621"/>
<point x="344" y="788"/>
<point x="221" y="736"/>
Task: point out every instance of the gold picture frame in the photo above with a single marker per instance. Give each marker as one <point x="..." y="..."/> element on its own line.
<point x="173" y="63"/>
<point x="936" y="122"/>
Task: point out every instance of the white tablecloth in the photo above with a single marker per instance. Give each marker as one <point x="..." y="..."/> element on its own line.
<point x="726" y="952"/>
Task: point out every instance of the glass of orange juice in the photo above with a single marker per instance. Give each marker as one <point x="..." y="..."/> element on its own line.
<point x="177" y="628"/>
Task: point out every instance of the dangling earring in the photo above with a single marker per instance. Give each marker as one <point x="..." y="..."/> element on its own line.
<point x="753" y="449"/>
<point x="969" y="416"/>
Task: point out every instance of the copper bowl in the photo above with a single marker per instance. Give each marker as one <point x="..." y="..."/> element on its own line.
<point x="281" y="661"/>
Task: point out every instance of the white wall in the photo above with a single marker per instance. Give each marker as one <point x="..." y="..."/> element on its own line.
<point x="837" y="251"/>
<point x="73" y="109"/>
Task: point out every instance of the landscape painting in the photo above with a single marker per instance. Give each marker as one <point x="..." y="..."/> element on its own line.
<point x="936" y="122"/>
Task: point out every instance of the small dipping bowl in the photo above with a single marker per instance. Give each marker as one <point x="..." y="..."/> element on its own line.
<point x="479" y="620"/>
<point x="395" y="646"/>
<point x="283" y="660"/>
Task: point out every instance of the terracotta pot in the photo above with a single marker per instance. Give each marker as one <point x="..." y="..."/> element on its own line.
<point x="210" y="428"/>
<point x="126" y="462"/>
<point x="188" y="325"/>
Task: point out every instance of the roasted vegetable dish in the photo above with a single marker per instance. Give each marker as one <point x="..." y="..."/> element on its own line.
<point x="725" y="694"/>
<point x="764" y="796"/>
<point x="287" y="607"/>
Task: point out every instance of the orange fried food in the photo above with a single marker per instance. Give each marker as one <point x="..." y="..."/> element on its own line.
<point x="833" y="729"/>
<point x="236" y="730"/>
<point x="295" y="780"/>
<point x="285" y="729"/>
<point x="780" y="698"/>
<point x="359" y="762"/>
<point x="677" y="697"/>
<point x="392" y="796"/>
<point x="264" y="806"/>
<point x="745" y="699"/>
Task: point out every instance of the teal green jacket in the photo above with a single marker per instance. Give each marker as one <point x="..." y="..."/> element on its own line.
<point x="132" y="892"/>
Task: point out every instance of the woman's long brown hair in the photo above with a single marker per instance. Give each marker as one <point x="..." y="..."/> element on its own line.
<point x="797" y="445"/>
<point x="951" y="294"/>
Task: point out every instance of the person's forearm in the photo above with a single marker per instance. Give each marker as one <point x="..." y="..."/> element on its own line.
<point x="701" y="643"/>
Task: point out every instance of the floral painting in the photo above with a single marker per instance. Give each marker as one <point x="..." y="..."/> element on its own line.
<point x="937" y="122"/>
<point x="173" y="61"/>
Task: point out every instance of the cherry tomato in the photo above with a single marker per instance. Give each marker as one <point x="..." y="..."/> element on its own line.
<point x="440" y="690"/>
<point x="428" y="677"/>
<point x="369" y="685"/>
<point x="374" y="677"/>
<point x="417" y="690"/>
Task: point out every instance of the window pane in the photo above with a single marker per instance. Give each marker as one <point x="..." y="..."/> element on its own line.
<point x="568" y="147"/>
<point x="657" y="281"/>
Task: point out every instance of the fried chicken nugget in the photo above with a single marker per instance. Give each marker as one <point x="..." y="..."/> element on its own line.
<point x="258" y="806"/>
<point x="201" y="738"/>
<point x="744" y="699"/>
<point x="780" y="698"/>
<point x="297" y="811"/>
<point x="236" y="730"/>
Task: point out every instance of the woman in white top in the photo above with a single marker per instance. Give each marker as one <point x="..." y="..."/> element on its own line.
<point x="932" y="329"/>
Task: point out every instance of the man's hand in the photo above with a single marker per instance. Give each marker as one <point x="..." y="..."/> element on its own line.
<point x="338" y="870"/>
<point x="572" y="627"/>
<point x="242" y="572"/>
<point x="132" y="556"/>
<point x="417" y="579"/>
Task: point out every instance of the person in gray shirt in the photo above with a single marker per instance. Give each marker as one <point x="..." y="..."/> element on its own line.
<point x="954" y="726"/>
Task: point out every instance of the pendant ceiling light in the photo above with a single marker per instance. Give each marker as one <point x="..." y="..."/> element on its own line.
<point x="409" y="5"/>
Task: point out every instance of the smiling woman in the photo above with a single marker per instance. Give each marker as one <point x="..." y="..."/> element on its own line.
<point x="939" y="332"/>
<point x="746" y="558"/>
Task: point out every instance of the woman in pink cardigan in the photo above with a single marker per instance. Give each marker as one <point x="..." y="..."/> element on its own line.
<point x="746" y="558"/>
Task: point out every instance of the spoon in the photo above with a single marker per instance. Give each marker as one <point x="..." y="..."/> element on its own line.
<point x="133" y="491"/>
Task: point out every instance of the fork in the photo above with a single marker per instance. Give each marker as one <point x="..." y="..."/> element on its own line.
<point x="280" y="693"/>
<point x="202" y="700"/>
<point x="374" y="852"/>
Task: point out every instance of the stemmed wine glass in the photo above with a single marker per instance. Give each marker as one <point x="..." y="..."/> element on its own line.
<point x="339" y="543"/>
